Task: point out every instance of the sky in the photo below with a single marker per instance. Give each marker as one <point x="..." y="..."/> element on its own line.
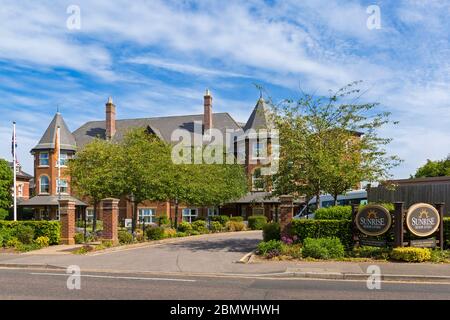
<point x="156" y="58"/>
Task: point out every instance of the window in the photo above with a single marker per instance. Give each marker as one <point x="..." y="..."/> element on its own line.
<point x="257" y="181"/>
<point x="64" y="158"/>
<point x="63" y="186"/>
<point x="189" y="214"/>
<point x="149" y="215"/>
<point x="89" y="215"/>
<point x="275" y="151"/>
<point x="258" y="150"/>
<point x="258" y="211"/>
<point x="213" y="212"/>
<point x="20" y="190"/>
<point x="43" y="159"/>
<point x="44" y="185"/>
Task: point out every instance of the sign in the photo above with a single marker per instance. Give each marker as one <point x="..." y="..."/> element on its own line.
<point x="422" y="219"/>
<point x="373" y="243"/>
<point x="373" y="220"/>
<point x="425" y="243"/>
<point x="128" y="223"/>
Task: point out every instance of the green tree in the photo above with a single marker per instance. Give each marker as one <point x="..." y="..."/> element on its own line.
<point x="320" y="144"/>
<point x="93" y="173"/>
<point x="6" y="185"/>
<point x="440" y="168"/>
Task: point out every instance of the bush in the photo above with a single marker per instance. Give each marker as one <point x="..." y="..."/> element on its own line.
<point x="42" y="241"/>
<point x="155" y="233"/>
<point x="237" y="218"/>
<point x="194" y="233"/>
<point x="181" y="234"/>
<point x="50" y="229"/>
<point x="222" y="219"/>
<point x="411" y="254"/>
<point x="24" y="234"/>
<point x="235" y="226"/>
<point x="271" y="231"/>
<point x="371" y="252"/>
<point x="447" y="232"/>
<point x="139" y="235"/>
<point x="265" y="247"/>
<point x="323" y="248"/>
<point x="5" y="236"/>
<point x="311" y="228"/>
<point x="294" y="251"/>
<point x="13" y="243"/>
<point x="163" y="221"/>
<point x="79" y="238"/>
<point x="125" y="237"/>
<point x="256" y="222"/>
<point x="439" y="256"/>
<point x="200" y="226"/>
<point x="334" y="213"/>
<point x="185" y="227"/>
<point x="3" y="214"/>
<point x="215" y="226"/>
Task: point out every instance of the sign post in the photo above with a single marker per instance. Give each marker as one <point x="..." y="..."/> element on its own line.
<point x="398" y="224"/>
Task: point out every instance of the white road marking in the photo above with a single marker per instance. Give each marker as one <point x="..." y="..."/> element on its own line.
<point x="113" y="277"/>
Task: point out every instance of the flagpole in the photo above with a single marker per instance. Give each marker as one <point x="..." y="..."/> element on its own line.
<point x="15" y="171"/>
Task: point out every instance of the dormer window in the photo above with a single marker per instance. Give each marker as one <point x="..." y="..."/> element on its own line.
<point x="43" y="159"/>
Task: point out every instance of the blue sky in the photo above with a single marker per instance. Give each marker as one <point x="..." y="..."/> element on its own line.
<point x="157" y="58"/>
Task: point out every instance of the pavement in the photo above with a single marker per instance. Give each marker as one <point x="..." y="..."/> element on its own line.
<point x="219" y="255"/>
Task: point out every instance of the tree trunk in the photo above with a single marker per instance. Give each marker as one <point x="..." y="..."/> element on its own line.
<point x="135" y="217"/>
<point x="94" y="218"/>
<point x="335" y="196"/>
<point x="318" y="206"/>
<point x="176" y="214"/>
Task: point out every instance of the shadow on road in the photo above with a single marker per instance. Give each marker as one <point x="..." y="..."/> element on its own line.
<point x="230" y="245"/>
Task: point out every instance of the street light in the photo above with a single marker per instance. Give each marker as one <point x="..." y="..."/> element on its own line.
<point x="133" y="220"/>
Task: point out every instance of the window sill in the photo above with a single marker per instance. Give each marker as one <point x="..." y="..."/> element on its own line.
<point x="43" y="166"/>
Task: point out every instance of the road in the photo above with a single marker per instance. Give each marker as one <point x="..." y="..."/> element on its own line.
<point x="38" y="284"/>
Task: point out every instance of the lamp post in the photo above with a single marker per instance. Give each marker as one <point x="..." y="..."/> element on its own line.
<point x="133" y="220"/>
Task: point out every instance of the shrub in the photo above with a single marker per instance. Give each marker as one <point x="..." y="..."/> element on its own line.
<point x="125" y="237"/>
<point x="311" y="228"/>
<point x="185" y="227"/>
<point x="323" y="248"/>
<point x="271" y="231"/>
<point x="222" y="219"/>
<point x="256" y="222"/>
<point x="163" y="221"/>
<point x="79" y="238"/>
<point x="13" y="243"/>
<point x="24" y="234"/>
<point x="447" y="232"/>
<point x="200" y="226"/>
<point x="3" y="214"/>
<point x="294" y="251"/>
<point x="181" y="234"/>
<point x="411" y="254"/>
<point x="237" y="218"/>
<point x="334" y="213"/>
<point x="155" y="233"/>
<point x="170" y="233"/>
<point x="194" y="233"/>
<point x="440" y="256"/>
<point x="235" y="226"/>
<point x="42" y="241"/>
<point x="107" y="244"/>
<point x="50" y="229"/>
<point x="215" y="226"/>
<point x="5" y="236"/>
<point x="139" y="235"/>
<point x="272" y="245"/>
<point x="371" y="252"/>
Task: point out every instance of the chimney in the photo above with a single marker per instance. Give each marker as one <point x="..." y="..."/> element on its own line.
<point x="207" y="114"/>
<point x="110" y="119"/>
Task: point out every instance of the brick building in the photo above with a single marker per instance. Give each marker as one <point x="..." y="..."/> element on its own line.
<point x="257" y="201"/>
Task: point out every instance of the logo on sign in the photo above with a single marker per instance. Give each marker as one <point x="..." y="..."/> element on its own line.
<point x="422" y="219"/>
<point x="373" y="220"/>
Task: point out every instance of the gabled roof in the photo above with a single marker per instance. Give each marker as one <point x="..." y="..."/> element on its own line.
<point x="49" y="138"/>
<point x="161" y="126"/>
<point x="259" y="119"/>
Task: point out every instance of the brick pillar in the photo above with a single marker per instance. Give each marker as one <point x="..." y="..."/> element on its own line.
<point x="67" y="215"/>
<point x="286" y="214"/>
<point x="110" y="219"/>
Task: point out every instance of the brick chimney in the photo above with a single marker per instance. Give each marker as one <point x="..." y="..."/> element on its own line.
<point x="110" y="119"/>
<point x="207" y="114"/>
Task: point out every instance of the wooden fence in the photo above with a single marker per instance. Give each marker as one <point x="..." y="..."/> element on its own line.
<point x="411" y="191"/>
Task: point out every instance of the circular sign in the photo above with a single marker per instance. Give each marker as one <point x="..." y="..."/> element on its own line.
<point x="373" y="220"/>
<point x="422" y="219"/>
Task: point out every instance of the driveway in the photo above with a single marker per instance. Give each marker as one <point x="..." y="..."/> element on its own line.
<point x="215" y="253"/>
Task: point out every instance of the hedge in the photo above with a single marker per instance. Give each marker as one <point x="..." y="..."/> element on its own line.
<point x="256" y="222"/>
<point x="50" y="229"/>
<point x="271" y="231"/>
<point x="334" y="213"/>
<point x="309" y="228"/>
<point x="447" y="231"/>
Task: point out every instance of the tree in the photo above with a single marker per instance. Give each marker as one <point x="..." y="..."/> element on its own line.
<point x="6" y="185"/>
<point x="93" y="173"/>
<point x="438" y="168"/>
<point x="330" y="143"/>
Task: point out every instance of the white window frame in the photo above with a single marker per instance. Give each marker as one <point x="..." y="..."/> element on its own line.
<point x="65" y="157"/>
<point x="254" y="180"/>
<point x="188" y="216"/>
<point x="20" y="190"/>
<point x="148" y="213"/>
<point x="66" y="187"/>
<point x="257" y="147"/>
<point x="40" y="184"/>
<point x="41" y="158"/>
<point x="213" y="211"/>
<point x="89" y="214"/>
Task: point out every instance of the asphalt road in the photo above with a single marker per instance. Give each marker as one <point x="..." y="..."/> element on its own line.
<point x="38" y="284"/>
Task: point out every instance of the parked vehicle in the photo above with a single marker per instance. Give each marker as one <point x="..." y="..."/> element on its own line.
<point x="327" y="200"/>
